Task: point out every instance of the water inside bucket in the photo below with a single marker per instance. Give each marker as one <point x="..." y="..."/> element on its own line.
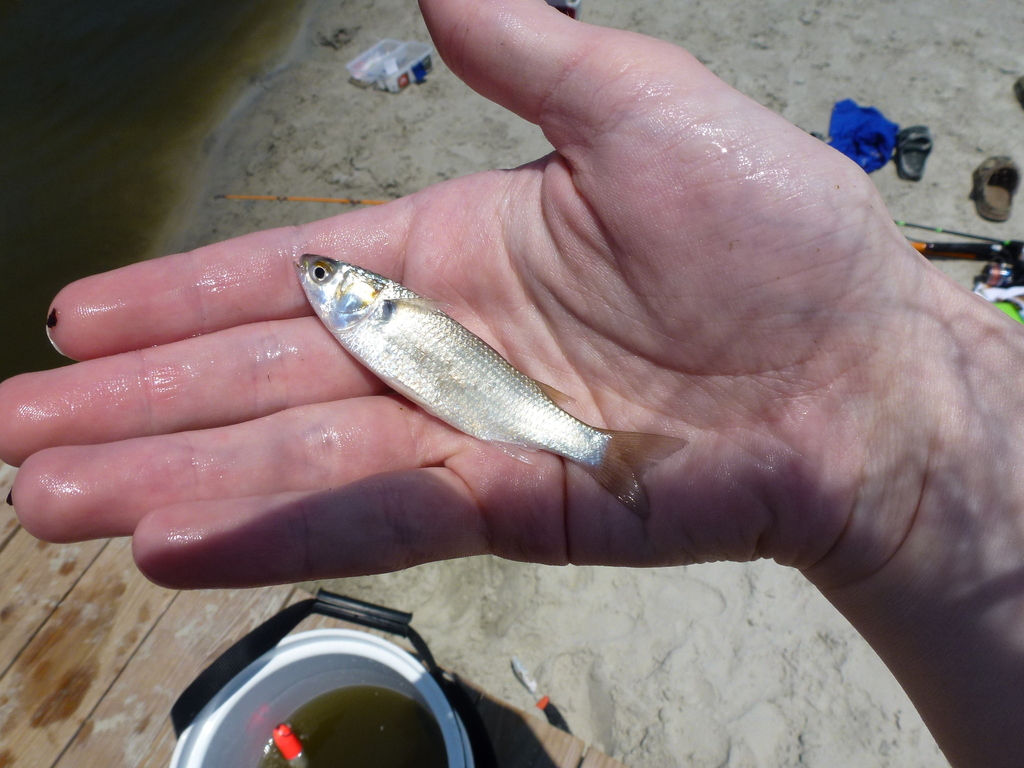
<point x="363" y="726"/>
<point x="233" y="728"/>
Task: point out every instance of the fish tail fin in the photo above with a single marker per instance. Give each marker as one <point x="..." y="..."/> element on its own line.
<point x="628" y="456"/>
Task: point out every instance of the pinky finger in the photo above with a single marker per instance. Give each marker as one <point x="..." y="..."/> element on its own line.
<point x="384" y="523"/>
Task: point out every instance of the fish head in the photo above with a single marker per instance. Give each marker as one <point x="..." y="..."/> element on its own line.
<point x="341" y="294"/>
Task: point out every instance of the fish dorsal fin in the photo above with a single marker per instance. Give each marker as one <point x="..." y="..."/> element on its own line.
<point x="557" y="397"/>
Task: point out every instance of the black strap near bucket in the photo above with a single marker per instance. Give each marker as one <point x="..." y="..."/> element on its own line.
<point x="268" y="634"/>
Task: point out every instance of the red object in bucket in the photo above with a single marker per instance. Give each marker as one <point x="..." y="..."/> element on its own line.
<point x="289" y="745"/>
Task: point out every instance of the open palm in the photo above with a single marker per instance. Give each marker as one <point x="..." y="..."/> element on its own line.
<point x="686" y="263"/>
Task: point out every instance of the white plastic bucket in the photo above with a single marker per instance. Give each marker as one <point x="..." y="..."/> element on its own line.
<point x="232" y="730"/>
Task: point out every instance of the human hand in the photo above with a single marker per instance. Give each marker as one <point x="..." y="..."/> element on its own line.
<point x="687" y="263"/>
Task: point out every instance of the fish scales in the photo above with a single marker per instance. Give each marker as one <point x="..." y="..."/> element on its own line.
<point x="435" y="361"/>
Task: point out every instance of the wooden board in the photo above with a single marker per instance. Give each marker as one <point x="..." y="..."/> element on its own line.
<point x="8" y="524"/>
<point x="596" y="759"/>
<point x="34" y="579"/>
<point x="72" y="661"/>
<point x="8" y="520"/>
<point x="131" y="726"/>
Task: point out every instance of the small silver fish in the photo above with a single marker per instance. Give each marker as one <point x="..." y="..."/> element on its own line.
<point x="428" y="357"/>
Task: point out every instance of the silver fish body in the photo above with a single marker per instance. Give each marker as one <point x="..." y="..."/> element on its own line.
<point x="436" y="362"/>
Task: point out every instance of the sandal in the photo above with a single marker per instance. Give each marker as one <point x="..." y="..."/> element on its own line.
<point x="995" y="181"/>
<point x="913" y="145"/>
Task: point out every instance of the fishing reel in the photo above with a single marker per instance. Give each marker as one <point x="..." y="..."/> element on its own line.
<point x="1001" y="274"/>
<point x="1004" y="267"/>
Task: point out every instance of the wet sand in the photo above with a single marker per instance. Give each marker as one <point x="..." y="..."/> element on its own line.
<point x="707" y="665"/>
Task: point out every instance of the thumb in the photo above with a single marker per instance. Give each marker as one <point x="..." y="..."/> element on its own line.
<point x="569" y="77"/>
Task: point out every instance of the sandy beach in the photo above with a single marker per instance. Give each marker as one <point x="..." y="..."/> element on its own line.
<point x="739" y="665"/>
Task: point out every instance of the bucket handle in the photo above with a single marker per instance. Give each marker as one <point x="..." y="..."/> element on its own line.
<point x="268" y="634"/>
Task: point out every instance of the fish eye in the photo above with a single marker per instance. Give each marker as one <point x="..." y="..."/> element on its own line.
<point x="321" y="271"/>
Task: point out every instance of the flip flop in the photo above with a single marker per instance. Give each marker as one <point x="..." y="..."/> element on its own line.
<point x="995" y="181"/>
<point x="913" y="146"/>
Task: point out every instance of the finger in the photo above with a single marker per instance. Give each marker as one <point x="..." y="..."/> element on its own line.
<point x="383" y="523"/>
<point x="221" y="378"/>
<point x="549" y="69"/>
<point x="84" y="492"/>
<point x="238" y="281"/>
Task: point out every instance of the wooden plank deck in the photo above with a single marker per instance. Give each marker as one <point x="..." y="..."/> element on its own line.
<point x="92" y="656"/>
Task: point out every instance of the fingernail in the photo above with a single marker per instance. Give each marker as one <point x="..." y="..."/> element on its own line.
<point x="51" y="321"/>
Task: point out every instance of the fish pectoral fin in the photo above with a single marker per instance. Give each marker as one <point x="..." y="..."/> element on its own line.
<point x="628" y="456"/>
<point x="420" y="303"/>
<point x="558" y="398"/>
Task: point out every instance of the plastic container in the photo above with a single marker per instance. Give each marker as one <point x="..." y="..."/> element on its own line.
<point x="391" y="65"/>
<point x="232" y="730"/>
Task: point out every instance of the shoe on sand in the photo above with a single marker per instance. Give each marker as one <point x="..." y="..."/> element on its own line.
<point x="995" y="181"/>
<point x="1018" y="90"/>
<point x="913" y="145"/>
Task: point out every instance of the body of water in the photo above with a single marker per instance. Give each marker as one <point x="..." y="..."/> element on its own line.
<point x="104" y="106"/>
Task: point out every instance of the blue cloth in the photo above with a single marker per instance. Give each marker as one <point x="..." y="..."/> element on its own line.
<point x="863" y="134"/>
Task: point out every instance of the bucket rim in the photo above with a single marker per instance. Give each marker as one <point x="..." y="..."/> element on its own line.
<point x="194" y="741"/>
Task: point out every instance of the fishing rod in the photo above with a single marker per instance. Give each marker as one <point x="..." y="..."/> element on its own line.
<point x="988" y="248"/>
<point x="943" y="231"/>
<point x="975" y="251"/>
<point x="1005" y="265"/>
<point x="294" y="199"/>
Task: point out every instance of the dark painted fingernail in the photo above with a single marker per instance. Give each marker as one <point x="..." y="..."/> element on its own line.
<point x="51" y="320"/>
<point x="10" y="501"/>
